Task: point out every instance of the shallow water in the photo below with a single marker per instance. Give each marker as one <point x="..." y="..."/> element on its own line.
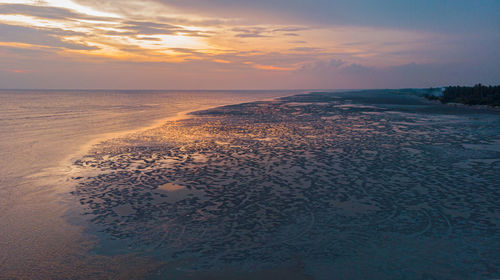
<point x="39" y="132"/>
<point x="322" y="186"/>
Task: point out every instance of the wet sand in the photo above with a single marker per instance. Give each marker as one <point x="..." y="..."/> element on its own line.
<point x="349" y="185"/>
<point x="42" y="135"/>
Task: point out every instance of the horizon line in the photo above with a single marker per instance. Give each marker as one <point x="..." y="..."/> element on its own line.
<point x="303" y="89"/>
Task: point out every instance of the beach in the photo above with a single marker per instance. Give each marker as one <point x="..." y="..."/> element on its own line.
<point x="42" y="132"/>
<point x="243" y="140"/>
<point x="364" y="184"/>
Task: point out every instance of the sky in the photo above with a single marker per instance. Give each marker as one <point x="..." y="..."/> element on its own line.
<point x="241" y="44"/>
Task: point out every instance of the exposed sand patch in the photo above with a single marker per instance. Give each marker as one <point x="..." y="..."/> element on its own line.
<point x="170" y="187"/>
<point x="321" y="188"/>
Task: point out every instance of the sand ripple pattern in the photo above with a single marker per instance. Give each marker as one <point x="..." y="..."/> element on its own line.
<point x="328" y="181"/>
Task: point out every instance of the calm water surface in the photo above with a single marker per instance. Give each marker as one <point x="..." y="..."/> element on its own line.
<point x="39" y="130"/>
<point x="352" y="185"/>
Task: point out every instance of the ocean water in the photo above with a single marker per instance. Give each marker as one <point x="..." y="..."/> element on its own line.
<point x="344" y="185"/>
<point x="39" y="132"/>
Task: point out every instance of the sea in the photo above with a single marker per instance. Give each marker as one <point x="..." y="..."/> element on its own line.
<point x="40" y="130"/>
<point x="367" y="184"/>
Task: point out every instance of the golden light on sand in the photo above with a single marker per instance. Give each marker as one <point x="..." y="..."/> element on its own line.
<point x="170" y="187"/>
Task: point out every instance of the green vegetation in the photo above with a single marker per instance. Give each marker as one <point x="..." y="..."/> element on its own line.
<point x="477" y="95"/>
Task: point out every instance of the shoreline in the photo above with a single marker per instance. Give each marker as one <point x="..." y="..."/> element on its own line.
<point x="186" y="114"/>
<point x="259" y="175"/>
<point x="486" y="108"/>
<point x="67" y="167"/>
<point x="42" y="198"/>
<point x="475" y="107"/>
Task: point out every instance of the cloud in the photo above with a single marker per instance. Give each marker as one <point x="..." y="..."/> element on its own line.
<point x="17" y="71"/>
<point x="185" y="50"/>
<point x="25" y="51"/>
<point x="355" y="68"/>
<point x="446" y="15"/>
<point x="141" y="29"/>
<point x="44" y="12"/>
<point x="322" y="65"/>
<point x="149" y="28"/>
<point x="250" y="35"/>
<point x="305" y="49"/>
<point x="251" y="32"/>
<point x="148" y="38"/>
<point x="291" y="29"/>
<point x="320" y="43"/>
<point x="39" y="36"/>
<point x="270" y="31"/>
<point x="215" y="22"/>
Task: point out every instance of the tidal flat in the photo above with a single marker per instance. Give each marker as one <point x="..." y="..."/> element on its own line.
<point x="351" y="185"/>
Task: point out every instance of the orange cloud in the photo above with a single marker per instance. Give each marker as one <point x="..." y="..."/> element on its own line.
<point x="272" y="68"/>
<point x="222" y="61"/>
<point x="141" y="32"/>
<point x="17" y="71"/>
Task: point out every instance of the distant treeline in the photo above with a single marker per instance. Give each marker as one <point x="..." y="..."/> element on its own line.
<point x="476" y="95"/>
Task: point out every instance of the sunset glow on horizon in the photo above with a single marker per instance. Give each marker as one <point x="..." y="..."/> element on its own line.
<point x="165" y="40"/>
